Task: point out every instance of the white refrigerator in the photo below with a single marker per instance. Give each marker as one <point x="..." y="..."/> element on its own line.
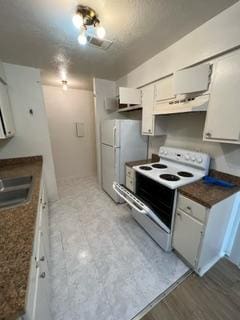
<point x="121" y="141"/>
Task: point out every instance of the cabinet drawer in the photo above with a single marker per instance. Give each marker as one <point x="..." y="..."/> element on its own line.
<point x="192" y="208"/>
<point x="130" y="183"/>
<point x="129" y="172"/>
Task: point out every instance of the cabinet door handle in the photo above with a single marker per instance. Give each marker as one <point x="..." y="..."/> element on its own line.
<point x="179" y="214"/>
<point x="208" y="134"/>
<point x="42" y="258"/>
<point x="189" y="208"/>
<point x="43" y="275"/>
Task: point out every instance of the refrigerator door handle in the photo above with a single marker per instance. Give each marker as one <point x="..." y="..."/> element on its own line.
<point x="114" y="137"/>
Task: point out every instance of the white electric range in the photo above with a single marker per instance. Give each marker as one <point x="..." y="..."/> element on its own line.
<point x="154" y="200"/>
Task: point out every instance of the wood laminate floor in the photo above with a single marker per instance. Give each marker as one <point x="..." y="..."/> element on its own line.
<point x="215" y="296"/>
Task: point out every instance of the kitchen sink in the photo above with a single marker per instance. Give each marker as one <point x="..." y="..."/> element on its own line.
<point x="15" y="182"/>
<point x="15" y="191"/>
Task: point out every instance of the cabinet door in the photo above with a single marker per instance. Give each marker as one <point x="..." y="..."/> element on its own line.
<point x="195" y="79"/>
<point x="45" y="222"/>
<point x="129" y="96"/>
<point x="223" y="116"/>
<point x="187" y="236"/>
<point x="164" y="89"/>
<point x="41" y="301"/>
<point x="6" y="112"/>
<point x="147" y="109"/>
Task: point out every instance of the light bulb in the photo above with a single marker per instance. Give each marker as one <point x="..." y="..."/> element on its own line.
<point x="100" y="32"/>
<point x="82" y="39"/>
<point x="77" y="20"/>
<point x="64" y="85"/>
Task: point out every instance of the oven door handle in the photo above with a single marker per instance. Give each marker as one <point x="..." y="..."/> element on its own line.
<point x="125" y="195"/>
<point x="138" y="205"/>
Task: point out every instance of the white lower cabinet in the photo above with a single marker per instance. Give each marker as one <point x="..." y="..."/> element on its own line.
<point x="200" y="233"/>
<point x="187" y="236"/>
<point x="38" y="302"/>
<point x="41" y="308"/>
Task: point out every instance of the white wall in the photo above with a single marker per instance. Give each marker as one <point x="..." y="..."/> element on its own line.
<point x="186" y="131"/>
<point x="73" y="156"/>
<point x="32" y="135"/>
<point x="214" y="37"/>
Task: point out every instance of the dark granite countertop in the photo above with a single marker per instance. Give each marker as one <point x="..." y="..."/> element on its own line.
<point x="17" y="227"/>
<point x="138" y="162"/>
<point x="209" y="195"/>
<point x="155" y="158"/>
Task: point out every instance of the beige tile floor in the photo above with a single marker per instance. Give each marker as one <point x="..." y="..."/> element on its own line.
<point x="103" y="265"/>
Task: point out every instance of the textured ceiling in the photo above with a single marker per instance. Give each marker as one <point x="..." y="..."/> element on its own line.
<point x="40" y="33"/>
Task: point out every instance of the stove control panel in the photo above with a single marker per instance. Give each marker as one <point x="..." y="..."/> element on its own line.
<point x="186" y="157"/>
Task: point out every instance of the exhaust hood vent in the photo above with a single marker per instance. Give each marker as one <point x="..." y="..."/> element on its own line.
<point x="103" y="44"/>
<point x="188" y="104"/>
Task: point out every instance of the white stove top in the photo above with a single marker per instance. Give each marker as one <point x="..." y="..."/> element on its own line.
<point x="177" y="160"/>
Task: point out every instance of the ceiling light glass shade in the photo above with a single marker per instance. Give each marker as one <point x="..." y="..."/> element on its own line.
<point x="100" y="31"/>
<point x="77" y="20"/>
<point x="82" y="39"/>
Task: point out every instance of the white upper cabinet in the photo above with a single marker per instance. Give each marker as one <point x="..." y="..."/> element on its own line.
<point x="7" y="127"/>
<point x="164" y="89"/>
<point x="147" y="110"/>
<point x="223" y="115"/>
<point x="192" y="80"/>
<point x="129" y="98"/>
<point x="150" y="124"/>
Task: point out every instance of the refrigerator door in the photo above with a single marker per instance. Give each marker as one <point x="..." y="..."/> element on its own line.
<point x="110" y="170"/>
<point x="110" y="133"/>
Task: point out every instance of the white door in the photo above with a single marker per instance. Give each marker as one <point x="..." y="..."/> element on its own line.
<point x="45" y="222"/>
<point x="6" y="112"/>
<point x="164" y="89"/>
<point x="223" y="120"/>
<point x="110" y="169"/>
<point x="195" y="79"/>
<point x="41" y="302"/>
<point x="129" y="96"/>
<point x="147" y="109"/>
<point x="187" y="236"/>
<point x="110" y="132"/>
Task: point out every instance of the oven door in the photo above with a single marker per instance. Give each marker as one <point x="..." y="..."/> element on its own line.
<point x="138" y="206"/>
<point x="159" y="198"/>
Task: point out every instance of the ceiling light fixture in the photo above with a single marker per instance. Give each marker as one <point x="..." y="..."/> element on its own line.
<point x="64" y="85"/>
<point x="84" y="18"/>
<point x="82" y="39"/>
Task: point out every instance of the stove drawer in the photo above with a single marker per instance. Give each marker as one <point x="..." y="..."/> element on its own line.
<point x="192" y="208"/>
<point x="130" y="183"/>
<point x="129" y="172"/>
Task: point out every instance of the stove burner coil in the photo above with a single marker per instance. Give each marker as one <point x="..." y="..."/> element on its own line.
<point x="147" y="168"/>
<point x="185" y="174"/>
<point x="159" y="166"/>
<point x="169" y="177"/>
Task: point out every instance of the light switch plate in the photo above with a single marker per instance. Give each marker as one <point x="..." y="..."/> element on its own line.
<point x="80" y="129"/>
